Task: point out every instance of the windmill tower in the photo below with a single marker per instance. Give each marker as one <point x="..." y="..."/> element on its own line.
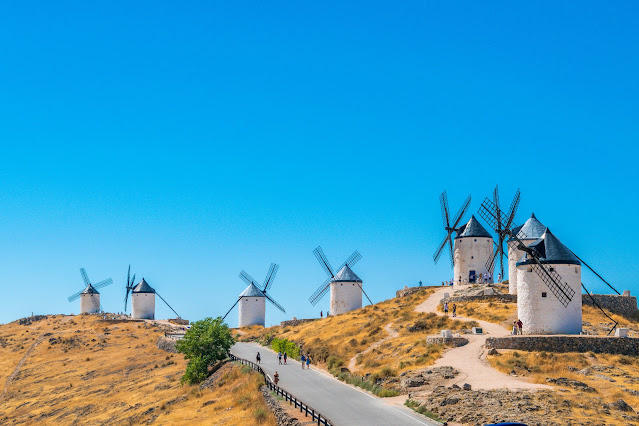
<point x="544" y="312"/>
<point x="473" y="251"/>
<point x="143" y="301"/>
<point x="501" y="235"/>
<point x="345" y="286"/>
<point x="90" y="296"/>
<point x="529" y="232"/>
<point x="252" y="300"/>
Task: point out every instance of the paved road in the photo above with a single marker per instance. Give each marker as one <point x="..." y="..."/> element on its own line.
<point x="341" y="403"/>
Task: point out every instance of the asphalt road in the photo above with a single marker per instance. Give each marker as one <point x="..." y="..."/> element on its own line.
<point x="341" y="403"/>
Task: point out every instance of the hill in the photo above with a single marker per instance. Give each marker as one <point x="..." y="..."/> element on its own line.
<point x="69" y="369"/>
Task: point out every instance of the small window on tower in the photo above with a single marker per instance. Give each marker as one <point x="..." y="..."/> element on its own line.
<point x="530" y="269"/>
<point x="544" y="294"/>
<point x="472" y="257"/>
<point x="552" y="269"/>
<point x="576" y="270"/>
<point x="475" y="239"/>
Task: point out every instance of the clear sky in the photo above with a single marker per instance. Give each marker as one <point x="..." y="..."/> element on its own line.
<point x="196" y="140"/>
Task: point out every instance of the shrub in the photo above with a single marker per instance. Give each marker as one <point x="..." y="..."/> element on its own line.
<point x="260" y="415"/>
<point x="285" y="346"/>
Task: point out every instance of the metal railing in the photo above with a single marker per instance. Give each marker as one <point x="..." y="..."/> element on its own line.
<point x="304" y="408"/>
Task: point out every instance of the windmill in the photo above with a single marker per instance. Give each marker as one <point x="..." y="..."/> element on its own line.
<point x="448" y="239"/>
<point x="253" y="306"/>
<point x="346" y="286"/>
<point x="89" y="297"/>
<point x="500" y="228"/>
<point x="129" y="286"/>
<point x="143" y="301"/>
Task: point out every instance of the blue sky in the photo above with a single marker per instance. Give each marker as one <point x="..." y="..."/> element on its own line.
<point x="196" y="140"/>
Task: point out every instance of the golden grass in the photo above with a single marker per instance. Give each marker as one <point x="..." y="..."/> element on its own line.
<point x="497" y="312"/>
<point x="585" y="405"/>
<point x="91" y="371"/>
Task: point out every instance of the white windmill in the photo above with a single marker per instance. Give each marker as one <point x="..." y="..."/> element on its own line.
<point x="143" y="299"/>
<point x="346" y="287"/>
<point x="473" y="251"/>
<point x="90" y="296"/>
<point x="252" y="300"/>
<point x="527" y="233"/>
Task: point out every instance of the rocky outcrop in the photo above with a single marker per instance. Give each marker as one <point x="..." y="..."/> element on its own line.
<point x="166" y="344"/>
<point x="296" y="322"/>
<point x="281" y="416"/>
<point x="426" y="379"/>
<point x="412" y="290"/>
<point x="597" y="344"/>
<point x="575" y="384"/>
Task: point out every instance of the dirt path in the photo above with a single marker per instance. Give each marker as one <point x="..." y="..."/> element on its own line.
<point x="22" y="360"/>
<point x="470" y="359"/>
<point x="391" y="335"/>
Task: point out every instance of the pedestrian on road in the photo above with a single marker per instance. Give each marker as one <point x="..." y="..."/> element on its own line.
<point x="308" y="362"/>
<point x="276" y="377"/>
<point x="279" y="357"/>
<point x="258" y="358"/>
<point x="303" y="361"/>
<point x="284" y="358"/>
<point x="520" y="326"/>
<point x="446" y="308"/>
<point x="454" y="310"/>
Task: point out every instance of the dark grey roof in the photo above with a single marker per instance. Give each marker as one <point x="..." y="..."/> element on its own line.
<point x="346" y="274"/>
<point x="252" y="291"/>
<point x="143" y="287"/>
<point x="90" y="290"/>
<point x="551" y="251"/>
<point x="532" y="229"/>
<point x="473" y="229"/>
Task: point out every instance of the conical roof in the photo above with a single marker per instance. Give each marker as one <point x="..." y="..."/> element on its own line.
<point x="473" y="229"/>
<point x="551" y="251"/>
<point x="143" y="287"/>
<point x="532" y="229"/>
<point x="252" y="291"/>
<point x="90" y="290"/>
<point x="346" y="274"/>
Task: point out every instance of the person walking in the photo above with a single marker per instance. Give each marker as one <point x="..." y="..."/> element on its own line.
<point x="499" y="278"/>
<point x="276" y="377"/>
<point x="321" y="314"/>
<point x="514" y="328"/>
<point x="446" y="308"/>
<point x="520" y="325"/>
<point x="303" y="361"/>
<point x="279" y="357"/>
<point x="308" y="362"/>
<point x="258" y="358"/>
<point x="454" y="310"/>
<point x="284" y="358"/>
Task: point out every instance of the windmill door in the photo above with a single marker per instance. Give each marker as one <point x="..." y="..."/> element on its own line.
<point x="472" y="277"/>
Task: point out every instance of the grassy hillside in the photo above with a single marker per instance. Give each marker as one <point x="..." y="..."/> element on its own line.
<point x="64" y="369"/>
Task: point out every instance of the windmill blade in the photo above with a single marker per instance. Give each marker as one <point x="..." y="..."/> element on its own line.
<point x="490" y="265"/>
<point x="513" y="209"/>
<point x="247" y="278"/>
<point x="96" y="304"/>
<point x="441" y="247"/>
<point x="167" y="304"/>
<point x="443" y="203"/>
<point x="128" y="276"/>
<point x="85" y="277"/>
<point x="461" y="212"/>
<point x="321" y="258"/>
<point x="103" y="283"/>
<point x="277" y="305"/>
<point x="352" y="260"/>
<point x="74" y="296"/>
<point x="229" y="311"/>
<point x="132" y="284"/>
<point x="320" y="292"/>
<point x="497" y="208"/>
<point x="450" y="251"/>
<point x="270" y="277"/>
<point x="126" y="299"/>
<point x="595" y="272"/>
<point x="362" y="288"/>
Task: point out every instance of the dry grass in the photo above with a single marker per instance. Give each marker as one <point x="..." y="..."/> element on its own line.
<point x="623" y="370"/>
<point x="497" y="312"/>
<point x="90" y="371"/>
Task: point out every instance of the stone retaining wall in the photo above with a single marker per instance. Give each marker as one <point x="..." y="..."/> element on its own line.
<point x="296" y="322"/>
<point x="622" y="305"/>
<point x="447" y="341"/>
<point x="412" y="290"/>
<point x="508" y="298"/>
<point x="597" y="344"/>
<point x="281" y="416"/>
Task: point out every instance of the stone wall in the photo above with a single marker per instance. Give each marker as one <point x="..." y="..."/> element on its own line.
<point x="447" y="341"/>
<point x="281" y="416"/>
<point x="508" y="298"/>
<point x="597" y="344"/>
<point x="412" y="290"/>
<point x="296" y="322"/>
<point x="622" y="305"/>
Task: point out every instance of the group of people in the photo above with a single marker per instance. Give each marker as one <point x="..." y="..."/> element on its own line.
<point x="305" y="359"/>
<point x="517" y="326"/>
<point x="454" y="309"/>
<point x="280" y="356"/>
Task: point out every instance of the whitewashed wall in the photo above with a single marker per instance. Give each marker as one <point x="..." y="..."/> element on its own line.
<point x="143" y="306"/>
<point x="89" y="303"/>
<point x="252" y="311"/>
<point x="471" y="254"/>
<point x="345" y="297"/>
<point x="514" y="255"/>
<point x="547" y="315"/>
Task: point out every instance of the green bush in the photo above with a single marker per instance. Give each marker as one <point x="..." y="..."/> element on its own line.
<point x="285" y="346"/>
<point x="195" y="370"/>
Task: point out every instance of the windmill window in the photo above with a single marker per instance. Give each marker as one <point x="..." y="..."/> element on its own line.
<point x="475" y="239"/>
<point x="576" y="270"/>
<point x="472" y="257"/>
<point x="544" y="294"/>
<point x="552" y="269"/>
<point x="530" y="269"/>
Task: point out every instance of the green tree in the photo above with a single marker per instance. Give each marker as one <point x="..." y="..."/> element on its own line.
<point x="206" y="342"/>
